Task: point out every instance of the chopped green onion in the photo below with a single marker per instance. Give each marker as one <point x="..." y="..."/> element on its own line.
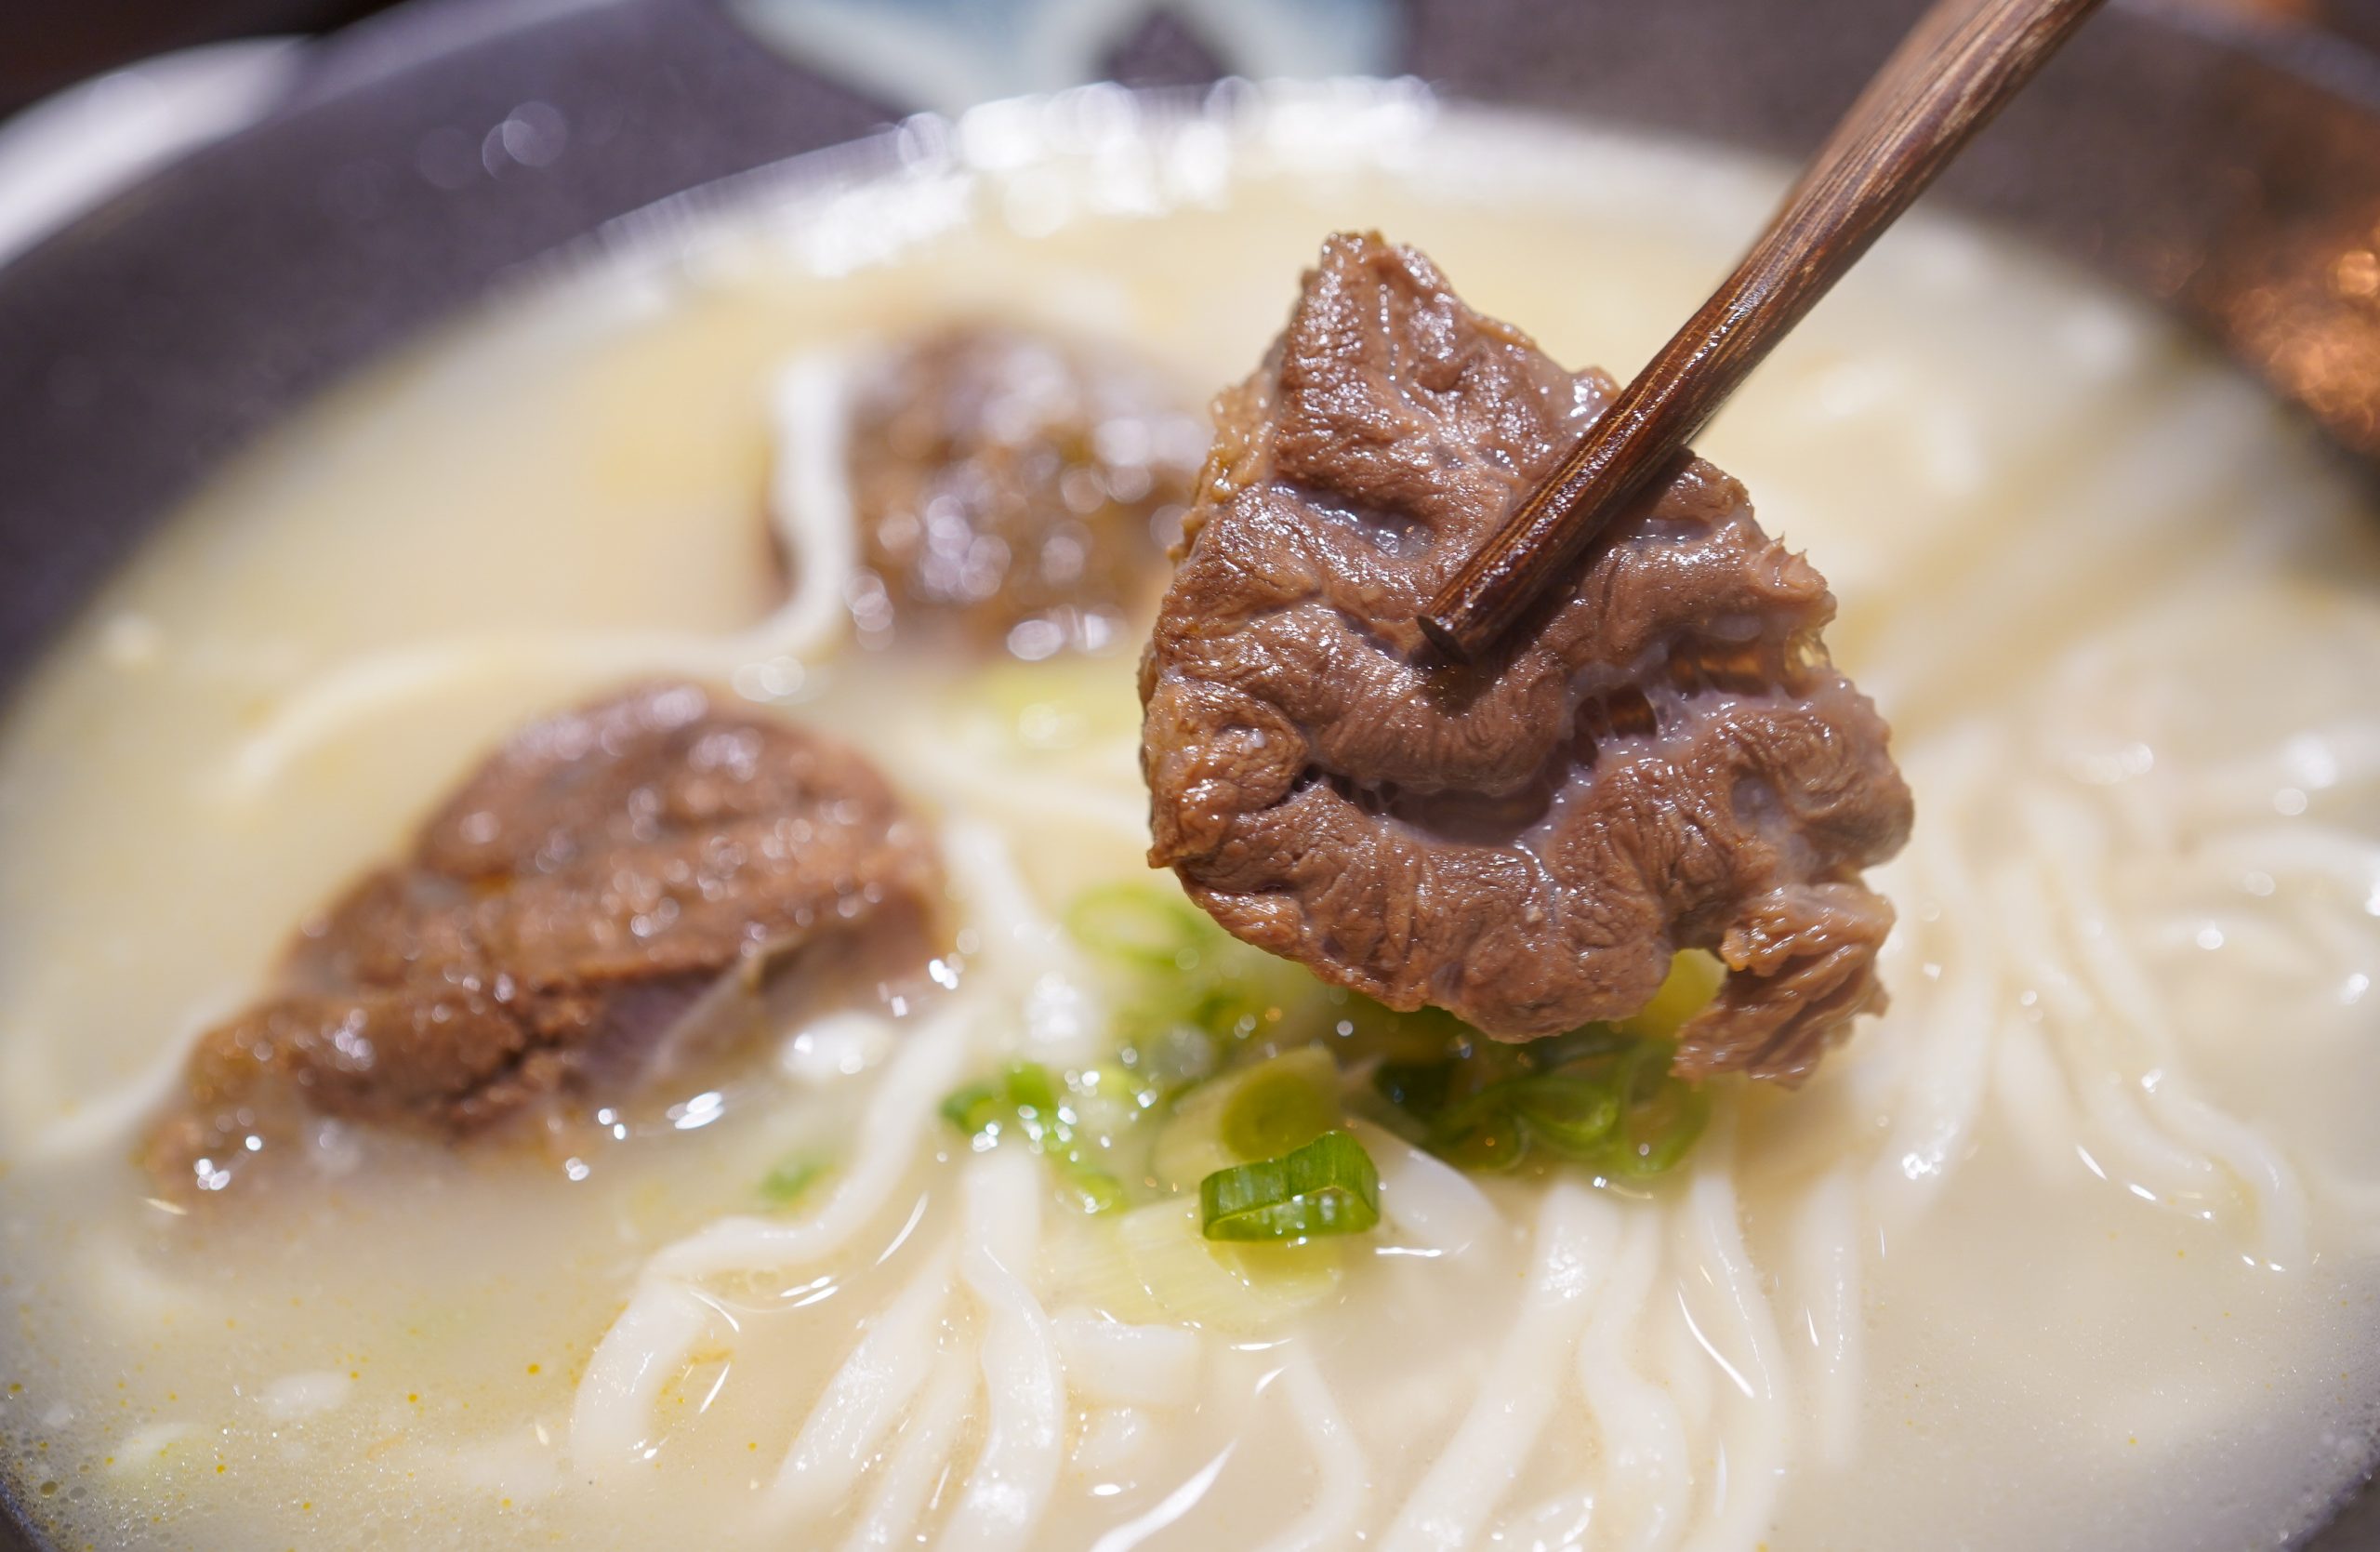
<point x="974" y="1110"/>
<point x="1256" y="1112"/>
<point x="1278" y="1109"/>
<point x="1030" y="1102"/>
<point x="1025" y="1098"/>
<point x="1659" y="1116"/>
<point x="1693" y="980"/>
<point x="786" y="1184"/>
<point x="1570" y="1116"/>
<point x="1139" y="923"/>
<point x="1166" y="1055"/>
<point x="1054" y="706"/>
<point x="1481" y="1134"/>
<point x="1094" y="1189"/>
<point x="1126" y="1083"/>
<point x="1152" y="1264"/>
<point x="1190" y="993"/>
<point x="1595" y="1097"/>
<point x="1328" y="1187"/>
<point x="1033" y="1095"/>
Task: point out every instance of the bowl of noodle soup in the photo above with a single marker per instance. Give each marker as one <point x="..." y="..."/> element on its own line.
<point x="332" y="471"/>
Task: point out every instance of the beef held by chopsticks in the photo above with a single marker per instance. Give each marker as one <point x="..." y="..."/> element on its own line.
<point x="1662" y="757"/>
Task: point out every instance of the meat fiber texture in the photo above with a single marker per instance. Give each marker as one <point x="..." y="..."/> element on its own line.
<point x="607" y="872"/>
<point x="1662" y="757"/>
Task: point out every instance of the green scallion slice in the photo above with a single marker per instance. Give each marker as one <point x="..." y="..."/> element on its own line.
<point x="1280" y="1107"/>
<point x="1328" y="1187"/>
<point x="973" y="1109"/>
<point x="1692" y="981"/>
<point x="792" y="1180"/>
<point x="1138" y="923"/>
<point x="1094" y="1188"/>
<point x="1481" y="1134"/>
<point x="1660" y="1117"/>
<point x="1033" y="1105"/>
<point x="1571" y="1116"/>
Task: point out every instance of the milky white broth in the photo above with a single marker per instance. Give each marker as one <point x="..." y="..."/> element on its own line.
<point x="2074" y="1249"/>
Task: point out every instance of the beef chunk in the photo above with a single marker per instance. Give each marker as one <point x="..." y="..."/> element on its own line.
<point x="1664" y="758"/>
<point x="1025" y="487"/>
<point x="607" y="872"/>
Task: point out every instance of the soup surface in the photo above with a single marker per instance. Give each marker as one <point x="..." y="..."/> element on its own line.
<point x="2073" y="1248"/>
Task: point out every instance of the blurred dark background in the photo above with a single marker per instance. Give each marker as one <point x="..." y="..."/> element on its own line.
<point x="48" y="44"/>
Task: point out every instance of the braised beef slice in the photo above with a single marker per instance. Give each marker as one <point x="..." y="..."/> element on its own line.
<point x="560" y="918"/>
<point x="1664" y="758"/>
<point x="1023" y="487"/>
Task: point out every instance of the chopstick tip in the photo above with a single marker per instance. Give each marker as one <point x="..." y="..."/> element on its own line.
<point x="1442" y="636"/>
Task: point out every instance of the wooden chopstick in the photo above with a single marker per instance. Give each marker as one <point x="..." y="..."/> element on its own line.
<point x="1957" y="68"/>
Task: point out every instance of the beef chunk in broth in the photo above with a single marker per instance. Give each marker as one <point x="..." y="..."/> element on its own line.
<point x="1663" y="758"/>
<point x="1025" y="487"/>
<point x="607" y="874"/>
